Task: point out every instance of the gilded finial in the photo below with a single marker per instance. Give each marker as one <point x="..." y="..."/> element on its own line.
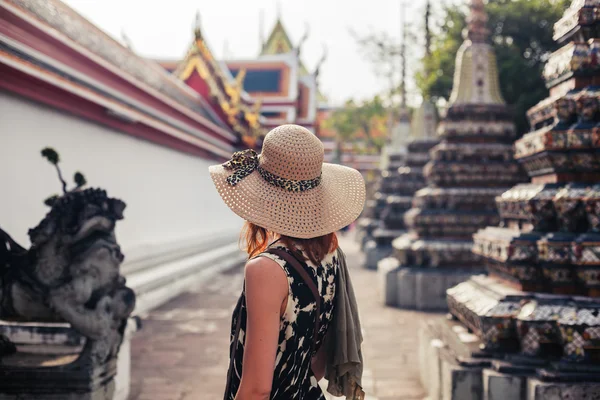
<point x="239" y="78"/>
<point x="197" y="29"/>
<point x="256" y="106"/>
<point x="476" y="22"/>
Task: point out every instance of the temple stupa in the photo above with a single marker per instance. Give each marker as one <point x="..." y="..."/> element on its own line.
<point x="531" y="329"/>
<point x="471" y="165"/>
<point x="378" y="245"/>
<point x="380" y="226"/>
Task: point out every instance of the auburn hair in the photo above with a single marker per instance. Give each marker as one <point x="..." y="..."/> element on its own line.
<point x="255" y="239"/>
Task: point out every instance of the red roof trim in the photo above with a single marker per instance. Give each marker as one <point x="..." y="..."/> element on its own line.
<point x="16" y="24"/>
<point x="32" y="88"/>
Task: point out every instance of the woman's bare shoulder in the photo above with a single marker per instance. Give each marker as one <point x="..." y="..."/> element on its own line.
<point x="264" y="269"/>
<point x="266" y="284"/>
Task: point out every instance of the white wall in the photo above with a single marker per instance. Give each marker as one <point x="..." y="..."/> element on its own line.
<point x="169" y="195"/>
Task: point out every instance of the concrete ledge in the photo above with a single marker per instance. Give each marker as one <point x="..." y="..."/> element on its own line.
<point x="442" y="375"/>
<point x="375" y="253"/>
<point x="155" y="284"/>
<point x="387" y="270"/>
<point x="424" y="288"/>
<point x="448" y="375"/>
<point x="144" y="257"/>
<point x="538" y="390"/>
<point x="499" y="386"/>
<point x="461" y="383"/>
<point x="430" y="362"/>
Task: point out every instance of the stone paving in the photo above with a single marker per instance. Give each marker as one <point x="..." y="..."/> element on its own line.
<point x="181" y="353"/>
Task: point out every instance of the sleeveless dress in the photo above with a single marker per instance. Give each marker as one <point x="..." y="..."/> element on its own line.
<point x="293" y="377"/>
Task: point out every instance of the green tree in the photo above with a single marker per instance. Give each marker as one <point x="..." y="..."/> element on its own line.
<point x="521" y="33"/>
<point x="359" y="120"/>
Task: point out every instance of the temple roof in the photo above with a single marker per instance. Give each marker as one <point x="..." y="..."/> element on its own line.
<point x="263" y="81"/>
<point x="278" y="41"/>
<point x="52" y="55"/>
<point x="269" y="77"/>
<point x="77" y="28"/>
<point x="225" y="88"/>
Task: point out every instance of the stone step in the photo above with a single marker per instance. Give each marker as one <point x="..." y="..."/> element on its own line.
<point x="423" y="289"/>
<point x="157" y="283"/>
<point x="447" y="378"/>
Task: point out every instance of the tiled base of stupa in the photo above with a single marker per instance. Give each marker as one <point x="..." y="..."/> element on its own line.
<point x="523" y="355"/>
<point x="376" y="252"/>
<point x="379" y="246"/>
<point x="453" y="368"/>
<point x="417" y="288"/>
<point x="364" y="231"/>
<point x="397" y="188"/>
<point x="419" y="271"/>
<point x="370" y="221"/>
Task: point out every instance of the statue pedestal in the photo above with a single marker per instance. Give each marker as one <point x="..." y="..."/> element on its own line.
<point x="54" y="362"/>
<point x="123" y="378"/>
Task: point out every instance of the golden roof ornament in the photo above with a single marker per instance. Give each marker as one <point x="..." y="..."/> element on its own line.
<point x="197" y="29"/>
<point x="239" y="79"/>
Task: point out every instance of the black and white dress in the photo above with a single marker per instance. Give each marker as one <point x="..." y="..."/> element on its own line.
<point x="293" y="377"/>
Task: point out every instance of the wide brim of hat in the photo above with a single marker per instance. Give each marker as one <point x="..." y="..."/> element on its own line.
<point x="335" y="203"/>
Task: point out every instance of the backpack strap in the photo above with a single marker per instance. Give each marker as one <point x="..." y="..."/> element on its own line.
<point x="293" y="261"/>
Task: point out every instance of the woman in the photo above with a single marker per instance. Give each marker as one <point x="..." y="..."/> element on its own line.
<point x="293" y="204"/>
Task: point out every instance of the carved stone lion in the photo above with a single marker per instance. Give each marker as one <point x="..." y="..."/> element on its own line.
<point x="71" y="272"/>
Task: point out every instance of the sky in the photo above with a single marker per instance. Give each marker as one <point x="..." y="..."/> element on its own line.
<point x="164" y="29"/>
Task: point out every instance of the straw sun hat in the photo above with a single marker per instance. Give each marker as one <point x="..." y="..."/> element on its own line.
<point x="288" y="189"/>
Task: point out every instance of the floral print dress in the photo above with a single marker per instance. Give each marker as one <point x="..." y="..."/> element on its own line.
<point x="293" y="377"/>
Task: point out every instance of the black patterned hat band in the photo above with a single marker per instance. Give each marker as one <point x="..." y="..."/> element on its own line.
<point x="245" y="162"/>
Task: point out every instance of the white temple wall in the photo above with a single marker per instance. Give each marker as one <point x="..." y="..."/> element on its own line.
<point x="170" y="197"/>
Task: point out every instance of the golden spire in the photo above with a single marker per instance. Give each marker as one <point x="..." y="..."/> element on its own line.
<point x="476" y="22"/>
<point x="476" y="74"/>
<point x="197" y="29"/>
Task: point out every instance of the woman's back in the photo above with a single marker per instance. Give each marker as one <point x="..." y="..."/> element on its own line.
<point x="288" y="192"/>
<point x="293" y="377"/>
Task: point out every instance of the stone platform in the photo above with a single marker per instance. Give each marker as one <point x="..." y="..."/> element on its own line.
<point x="58" y="358"/>
<point x="417" y="288"/>
<point x="454" y="368"/>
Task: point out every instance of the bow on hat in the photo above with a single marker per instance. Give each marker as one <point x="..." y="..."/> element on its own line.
<point x="243" y="163"/>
